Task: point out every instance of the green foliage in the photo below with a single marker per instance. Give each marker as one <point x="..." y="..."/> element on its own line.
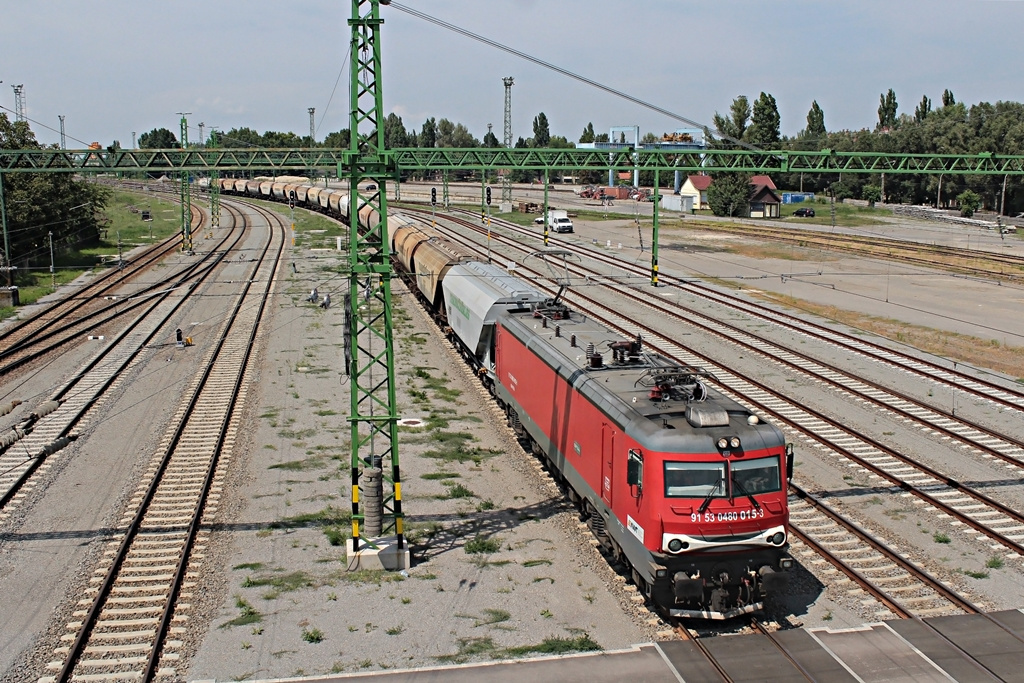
<point x="158" y="138"/>
<point x="765" y="122"/>
<point x="969" y="202"/>
<point x="313" y="635"/>
<point x="887" y="110"/>
<point x="39" y="205"/>
<point x="923" y="109"/>
<point x="940" y="537"/>
<point x="541" y="130"/>
<point x="947" y="98"/>
<point x="481" y="545"/>
<point x="735" y="126"/>
<point x="995" y="562"/>
<point x="588" y="134"/>
<point x="815" y="122"/>
<point x="872" y="193"/>
<point x="729" y="194"/>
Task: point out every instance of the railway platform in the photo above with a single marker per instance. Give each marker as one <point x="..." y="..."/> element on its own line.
<point x="976" y="647"/>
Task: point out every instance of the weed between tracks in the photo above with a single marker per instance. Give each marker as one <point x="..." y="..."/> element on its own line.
<point x="472" y="647"/>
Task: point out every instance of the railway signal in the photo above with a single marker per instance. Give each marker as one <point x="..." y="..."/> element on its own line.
<point x="488" y="195"/>
<point x="433" y="196"/>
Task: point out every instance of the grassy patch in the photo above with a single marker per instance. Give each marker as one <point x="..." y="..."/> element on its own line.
<point x="940" y="537"/>
<point x="995" y="562"/>
<point x="374" y="576"/>
<point x="251" y="566"/>
<point x="536" y="563"/>
<point x="431" y="476"/>
<point x="282" y="583"/>
<point x="249" y="615"/>
<point x="314" y="463"/>
<point x="312" y="635"/>
<point x="472" y="647"/>
<point x="456" y="447"/>
<point x="482" y="544"/>
<point x="457" y="491"/>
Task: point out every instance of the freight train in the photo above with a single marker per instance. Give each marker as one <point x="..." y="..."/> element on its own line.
<point x="680" y="483"/>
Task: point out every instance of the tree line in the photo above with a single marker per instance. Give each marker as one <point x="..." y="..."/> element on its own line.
<point x="948" y="127"/>
<point x="38" y="204"/>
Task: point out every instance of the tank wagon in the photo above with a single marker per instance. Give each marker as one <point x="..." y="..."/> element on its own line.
<point x="682" y="484"/>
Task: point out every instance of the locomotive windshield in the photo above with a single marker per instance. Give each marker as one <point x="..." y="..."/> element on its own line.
<point x="694" y="479"/>
<point x="756" y="476"/>
<point x="708" y="479"/>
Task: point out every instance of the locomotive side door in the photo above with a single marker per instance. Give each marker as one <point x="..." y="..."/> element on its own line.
<point x="607" y="449"/>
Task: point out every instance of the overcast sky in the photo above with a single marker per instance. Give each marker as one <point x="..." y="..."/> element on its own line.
<point x="117" y="66"/>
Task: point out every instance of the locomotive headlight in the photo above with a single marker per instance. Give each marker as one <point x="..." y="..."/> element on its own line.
<point x="734" y="442"/>
<point x="723" y="443"/>
<point x="675" y="545"/>
<point x="777" y="538"/>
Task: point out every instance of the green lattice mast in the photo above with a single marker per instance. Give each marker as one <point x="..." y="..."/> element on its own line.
<point x="371" y="362"/>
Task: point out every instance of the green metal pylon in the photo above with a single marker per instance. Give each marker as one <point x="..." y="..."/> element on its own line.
<point x="185" y="195"/>
<point x="445" y="200"/>
<point x="370" y="353"/>
<point x="214" y="199"/>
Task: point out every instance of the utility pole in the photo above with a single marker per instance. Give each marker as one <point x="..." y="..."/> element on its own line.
<point x="202" y="137"/>
<point x="312" y="134"/>
<point x="185" y="195"/>
<point x="370" y="356"/>
<point x="64" y="140"/>
<point x="506" y="180"/>
<point x="7" y="244"/>
<point x="19" y="102"/>
<point x="53" y="273"/>
<point x="133" y="134"/>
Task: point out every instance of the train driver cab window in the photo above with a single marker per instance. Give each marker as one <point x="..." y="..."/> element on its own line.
<point x="695" y="479"/>
<point x="760" y="475"/>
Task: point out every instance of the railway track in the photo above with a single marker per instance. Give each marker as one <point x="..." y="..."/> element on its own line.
<point x="98" y="302"/>
<point x="129" y="621"/>
<point x="974" y="262"/>
<point x="66" y="413"/>
<point x="947" y="374"/>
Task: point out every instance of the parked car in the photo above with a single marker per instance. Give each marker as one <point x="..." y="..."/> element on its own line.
<point x="805" y="212"/>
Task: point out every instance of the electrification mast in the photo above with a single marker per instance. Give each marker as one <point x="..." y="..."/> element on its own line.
<point x="63" y="138"/>
<point x="376" y="482"/>
<point x="506" y="180"/>
<point x="19" y="102"/>
<point x="214" y="186"/>
<point x="186" y="196"/>
<point x="312" y="135"/>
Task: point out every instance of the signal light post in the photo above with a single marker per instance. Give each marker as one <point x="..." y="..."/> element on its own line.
<point x="487" y="195"/>
<point x="291" y="211"/>
<point x="433" y="205"/>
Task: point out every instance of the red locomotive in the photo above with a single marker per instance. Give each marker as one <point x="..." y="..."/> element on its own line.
<point x="686" y="486"/>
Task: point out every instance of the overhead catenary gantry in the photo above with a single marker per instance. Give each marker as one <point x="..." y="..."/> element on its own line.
<point x="440" y="159"/>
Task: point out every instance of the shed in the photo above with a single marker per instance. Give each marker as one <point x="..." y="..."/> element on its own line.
<point x="677" y="202"/>
<point x="764" y="203"/>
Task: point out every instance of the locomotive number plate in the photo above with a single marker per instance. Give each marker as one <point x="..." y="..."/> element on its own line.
<point x="731" y="516"/>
